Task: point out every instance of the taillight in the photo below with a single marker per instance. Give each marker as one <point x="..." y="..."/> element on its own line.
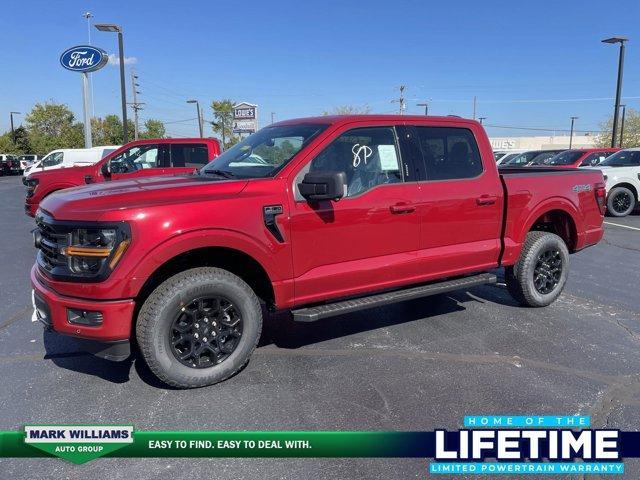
<point x="601" y="197"/>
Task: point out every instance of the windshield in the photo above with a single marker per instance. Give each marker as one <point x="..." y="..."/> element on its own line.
<point x="623" y="158"/>
<point x="522" y="158"/>
<point x="264" y="153"/>
<point x="565" y="158"/>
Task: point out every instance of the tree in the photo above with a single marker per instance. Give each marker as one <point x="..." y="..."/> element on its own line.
<point x="17" y="143"/>
<point x="50" y="126"/>
<point x="348" y="110"/>
<point x="153" y="129"/>
<point x="108" y="130"/>
<point x="223" y="125"/>
<point x="631" y="130"/>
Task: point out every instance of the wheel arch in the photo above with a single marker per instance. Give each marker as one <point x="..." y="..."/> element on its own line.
<point x="628" y="185"/>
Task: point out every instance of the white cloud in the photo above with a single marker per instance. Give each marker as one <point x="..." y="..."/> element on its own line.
<point x="115" y="60"/>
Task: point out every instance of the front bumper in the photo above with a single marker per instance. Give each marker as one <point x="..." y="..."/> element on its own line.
<point x="52" y="310"/>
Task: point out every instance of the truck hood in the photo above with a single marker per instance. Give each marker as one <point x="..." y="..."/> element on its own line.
<point x="90" y="202"/>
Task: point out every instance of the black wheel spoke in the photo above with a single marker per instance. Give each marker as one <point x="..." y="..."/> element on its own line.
<point x="547" y="271"/>
<point x="205" y="332"/>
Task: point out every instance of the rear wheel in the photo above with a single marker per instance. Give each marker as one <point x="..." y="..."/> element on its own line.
<point x="199" y="327"/>
<point x="539" y="275"/>
<point x="621" y="202"/>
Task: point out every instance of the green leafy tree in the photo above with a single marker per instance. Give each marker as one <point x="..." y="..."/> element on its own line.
<point x="631" y="134"/>
<point x="52" y="125"/>
<point x="17" y="143"/>
<point x="348" y="110"/>
<point x="153" y="129"/>
<point x="108" y="130"/>
<point x="223" y="124"/>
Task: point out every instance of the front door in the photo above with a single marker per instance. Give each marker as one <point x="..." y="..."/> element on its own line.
<point x="367" y="240"/>
<point x="139" y="161"/>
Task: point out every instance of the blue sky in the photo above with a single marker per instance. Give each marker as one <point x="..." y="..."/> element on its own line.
<point x="530" y="64"/>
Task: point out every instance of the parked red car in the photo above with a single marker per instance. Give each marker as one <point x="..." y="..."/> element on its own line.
<point x="140" y="158"/>
<point x="319" y="216"/>
<point x="580" y="157"/>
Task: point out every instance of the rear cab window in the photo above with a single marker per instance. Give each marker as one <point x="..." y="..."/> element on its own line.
<point x="192" y="155"/>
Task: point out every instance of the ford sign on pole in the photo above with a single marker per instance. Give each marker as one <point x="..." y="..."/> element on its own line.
<point x="84" y="59"/>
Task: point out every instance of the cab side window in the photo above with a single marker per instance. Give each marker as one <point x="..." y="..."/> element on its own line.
<point x="194" y="155"/>
<point x="135" y="158"/>
<point x="449" y="153"/>
<point x="368" y="156"/>
<point x="53" y="159"/>
<point x="595" y="158"/>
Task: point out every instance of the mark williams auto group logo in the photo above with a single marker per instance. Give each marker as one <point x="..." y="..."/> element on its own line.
<point x="78" y="444"/>
<point x="527" y="445"/>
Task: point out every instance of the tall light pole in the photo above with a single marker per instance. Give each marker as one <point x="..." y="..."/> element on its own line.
<point x="89" y="16"/>
<point x="426" y="107"/>
<point x="624" y="111"/>
<point x="573" y="119"/>
<point x="110" y="27"/>
<point x="199" y="117"/>
<point x="482" y="119"/>
<point x="13" y="133"/>
<point x="616" y="107"/>
<point x="273" y="114"/>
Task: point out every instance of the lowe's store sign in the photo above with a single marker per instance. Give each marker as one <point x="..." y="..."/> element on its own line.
<point x="84" y="58"/>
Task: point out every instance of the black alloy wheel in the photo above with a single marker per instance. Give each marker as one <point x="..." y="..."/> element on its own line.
<point x="205" y="332"/>
<point x="547" y="271"/>
<point x="621" y="202"/>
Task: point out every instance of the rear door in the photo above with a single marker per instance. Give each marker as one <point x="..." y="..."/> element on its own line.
<point x="367" y="240"/>
<point x="460" y="201"/>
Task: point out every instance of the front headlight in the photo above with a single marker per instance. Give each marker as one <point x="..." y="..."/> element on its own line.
<point x="31" y="184"/>
<point x="92" y="250"/>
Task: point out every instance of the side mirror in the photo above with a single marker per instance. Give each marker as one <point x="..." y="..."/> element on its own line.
<point x="317" y="186"/>
<point x="106" y="170"/>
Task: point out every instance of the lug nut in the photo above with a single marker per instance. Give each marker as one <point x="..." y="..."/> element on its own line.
<point x="214" y="324"/>
<point x="206" y="320"/>
<point x="195" y="335"/>
<point x="204" y="339"/>
<point x="197" y="325"/>
<point x="213" y="334"/>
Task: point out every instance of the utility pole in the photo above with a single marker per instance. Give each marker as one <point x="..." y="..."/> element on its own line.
<point x="624" y="111"/>
<point x="135" y="105"/>
<point x="13" y="133"/>
<point x="474" y="107"/>
<point x="400" y="100"/>
<point x="272" y="115"/>
<point x="573" y="119"/>
<point x="426" y="107"/>
<point x="199" y="115"/>
<point x="89" y="16"/>
<point x="482" y="119"/>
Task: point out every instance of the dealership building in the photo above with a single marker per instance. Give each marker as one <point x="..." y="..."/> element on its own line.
<point x="542" y="143"/>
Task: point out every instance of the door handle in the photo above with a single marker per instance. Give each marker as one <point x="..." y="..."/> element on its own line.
<point x="486" y="200"/>
<point x="402" y="208"/>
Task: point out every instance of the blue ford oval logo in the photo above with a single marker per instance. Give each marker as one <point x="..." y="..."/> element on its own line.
<point x="84" y="58"/>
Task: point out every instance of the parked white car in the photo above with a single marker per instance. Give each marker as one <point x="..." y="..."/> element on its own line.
<point x="27" y="160"/>
<point x="70" y="157"/>
<point x="502" y="156"/>
<point x="622" y="173"/>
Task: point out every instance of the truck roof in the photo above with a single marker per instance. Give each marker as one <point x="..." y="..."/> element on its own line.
<point x="342" y="119"/>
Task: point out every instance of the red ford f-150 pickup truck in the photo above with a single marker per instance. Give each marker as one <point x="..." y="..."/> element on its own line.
<point x="140" y="158"/>
<point x="318" y="216"/>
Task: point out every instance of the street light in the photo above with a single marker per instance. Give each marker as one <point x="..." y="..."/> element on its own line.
<point x="573" y="119"/>
<point x="13" y="133"/>
<point x="616" y="107"/>
<point x="110" y="27"/>
<point x="624" y="111"/>
<point x="482" y="119"/>
<point x="199" y="118"/>
<point x="426" y="107"/>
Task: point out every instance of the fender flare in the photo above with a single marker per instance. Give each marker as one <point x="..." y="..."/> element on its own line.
<point x="196" y="239"/>
<point x="554" y="203"/>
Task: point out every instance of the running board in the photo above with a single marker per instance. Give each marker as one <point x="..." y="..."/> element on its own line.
<point x="311" y="314"/>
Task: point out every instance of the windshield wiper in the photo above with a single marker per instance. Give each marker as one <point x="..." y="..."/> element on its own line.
<point x="220" y="173"/>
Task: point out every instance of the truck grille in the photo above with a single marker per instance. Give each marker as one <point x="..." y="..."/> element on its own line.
<point x="52" y="241"/>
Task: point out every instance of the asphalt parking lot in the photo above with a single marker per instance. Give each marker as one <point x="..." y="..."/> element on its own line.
<point x="418" y="365"/>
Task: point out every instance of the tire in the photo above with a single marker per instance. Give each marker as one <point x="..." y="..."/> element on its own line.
<point x="620" y="202"/>
<point x="174" y="306"/>
<point x="547" y="253"/>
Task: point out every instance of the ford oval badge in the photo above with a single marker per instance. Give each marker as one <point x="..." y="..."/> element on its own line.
<point x="84" y="58"/>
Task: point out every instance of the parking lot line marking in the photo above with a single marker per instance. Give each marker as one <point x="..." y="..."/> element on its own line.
<point x="623" y="226"/>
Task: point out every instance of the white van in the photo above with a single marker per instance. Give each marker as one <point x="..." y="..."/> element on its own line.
<point x="70" y="157"/>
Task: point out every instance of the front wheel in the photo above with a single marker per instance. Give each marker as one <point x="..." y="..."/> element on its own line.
<point x="620" y="202"/>
<point x="539" y="275"/>
<point x="199" y="327"/>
